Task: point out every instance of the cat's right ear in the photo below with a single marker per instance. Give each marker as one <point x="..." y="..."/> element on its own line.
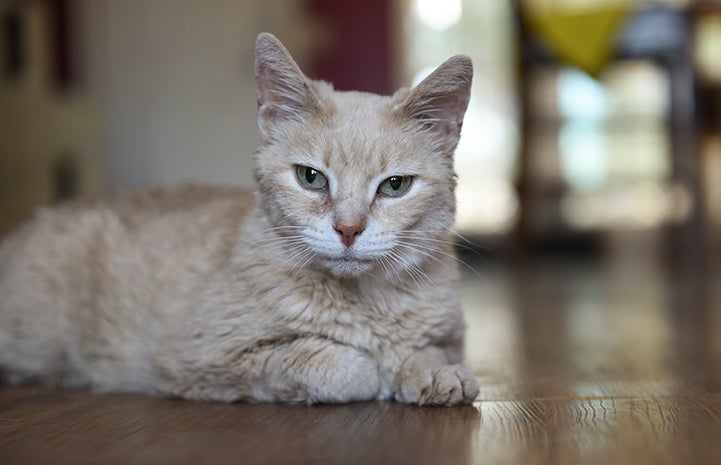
<point x="284" y="93"/>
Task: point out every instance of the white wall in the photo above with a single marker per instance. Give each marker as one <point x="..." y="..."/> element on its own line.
<point x="174" y="81"/>
<point x="40" y="127"/>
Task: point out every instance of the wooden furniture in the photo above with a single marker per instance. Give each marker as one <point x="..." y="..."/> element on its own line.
<point x="638" y="39"/>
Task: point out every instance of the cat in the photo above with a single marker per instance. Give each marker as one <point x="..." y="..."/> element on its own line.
<point x="334" y="282"/>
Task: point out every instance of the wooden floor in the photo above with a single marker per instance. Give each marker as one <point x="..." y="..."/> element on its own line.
<point x="578" y="364"/>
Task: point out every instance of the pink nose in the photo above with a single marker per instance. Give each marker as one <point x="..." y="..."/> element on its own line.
<point x="349" y="232"/>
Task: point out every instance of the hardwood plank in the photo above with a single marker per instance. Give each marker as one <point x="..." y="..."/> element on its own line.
<point x="78" y="427"/>
<point x="126" y="428"/>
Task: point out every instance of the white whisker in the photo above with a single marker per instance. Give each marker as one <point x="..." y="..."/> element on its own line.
<point x="389" y="268"/>
<point x="413" y="270"/>
<point x="430" y="251"/>
<point x="307" y="255"/>
<point x="425" y="251"/>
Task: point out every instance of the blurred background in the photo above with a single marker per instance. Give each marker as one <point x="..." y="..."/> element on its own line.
<point x="594" y="130"/>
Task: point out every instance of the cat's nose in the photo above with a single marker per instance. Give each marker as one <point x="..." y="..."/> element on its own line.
<point x="349" y="232"/>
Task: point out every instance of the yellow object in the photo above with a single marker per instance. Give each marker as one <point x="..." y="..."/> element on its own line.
<point x="583" y="38"/>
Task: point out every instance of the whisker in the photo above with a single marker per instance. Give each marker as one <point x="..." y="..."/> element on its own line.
<point x="464" y="243"/>
<point x="282" y="245"/>
<point x="281" y="228"/>
<point x="308" y="254"/>
<point x="429" y="251"/>
<point x="425" y="251"/>
<point x="298" y="252"/>
<point x="388" y="267"/>
<point x="294" y="247"/>
<point x="422" y="234"/>
<point x="280" y="238"/>
<point x="413" y="270"/>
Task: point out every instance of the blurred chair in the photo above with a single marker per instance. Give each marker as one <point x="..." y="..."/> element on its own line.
<point x="663" y="36"/>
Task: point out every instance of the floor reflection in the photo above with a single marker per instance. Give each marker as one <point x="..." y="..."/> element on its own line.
<point x="624" y="430"/>
<point x="579" y="330"/>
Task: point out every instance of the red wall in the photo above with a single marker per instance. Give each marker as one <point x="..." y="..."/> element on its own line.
<point x="359" y="54"/>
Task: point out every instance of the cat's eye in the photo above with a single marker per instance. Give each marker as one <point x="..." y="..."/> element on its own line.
<point x="311" y="178"/>
<point x="395" y="186"/>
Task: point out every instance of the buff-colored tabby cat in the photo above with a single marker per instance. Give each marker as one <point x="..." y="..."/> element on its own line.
<point x="335" y="282"/>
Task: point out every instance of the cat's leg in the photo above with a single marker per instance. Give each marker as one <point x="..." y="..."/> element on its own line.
<point x="306" y="370"/>
<point x="32" y="347"/>
<point x="425" y="378"/>
<point x="314" y="370"/>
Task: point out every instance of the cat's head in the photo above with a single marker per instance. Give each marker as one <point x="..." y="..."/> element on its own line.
<point x="355" y="182"/>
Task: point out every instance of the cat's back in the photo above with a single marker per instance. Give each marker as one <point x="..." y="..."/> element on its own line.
<point x="138" y="208"/>
<point x="159" y="231"/>
<point x="136" y="212"/>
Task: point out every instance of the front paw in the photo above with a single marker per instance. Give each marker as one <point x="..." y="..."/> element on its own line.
<point x="440" y="385"/>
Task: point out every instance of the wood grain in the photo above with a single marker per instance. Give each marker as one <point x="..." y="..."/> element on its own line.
<point x="578" y="365"/>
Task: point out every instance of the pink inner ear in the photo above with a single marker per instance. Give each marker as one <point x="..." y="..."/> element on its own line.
<point x="263" y="86"/>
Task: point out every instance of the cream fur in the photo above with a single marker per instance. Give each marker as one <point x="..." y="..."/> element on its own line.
<point x="222" y="294"/>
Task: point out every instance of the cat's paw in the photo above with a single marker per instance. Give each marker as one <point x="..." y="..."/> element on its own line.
<point x="440" y="385"/>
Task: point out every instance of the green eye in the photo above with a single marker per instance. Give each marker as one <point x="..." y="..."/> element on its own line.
<point x="395" y="186"/>
<point x="311" y="178"/>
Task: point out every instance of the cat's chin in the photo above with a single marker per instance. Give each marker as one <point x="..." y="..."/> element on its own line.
<point x="347" y="268"/>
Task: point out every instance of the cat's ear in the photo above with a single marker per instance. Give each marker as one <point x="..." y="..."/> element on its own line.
<point x="438" y="103"/>
<point x="284" y="93"/>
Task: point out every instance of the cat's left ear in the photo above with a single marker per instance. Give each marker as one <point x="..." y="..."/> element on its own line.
<point x="438" y="103"/>
<point x="284" y="93"/>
